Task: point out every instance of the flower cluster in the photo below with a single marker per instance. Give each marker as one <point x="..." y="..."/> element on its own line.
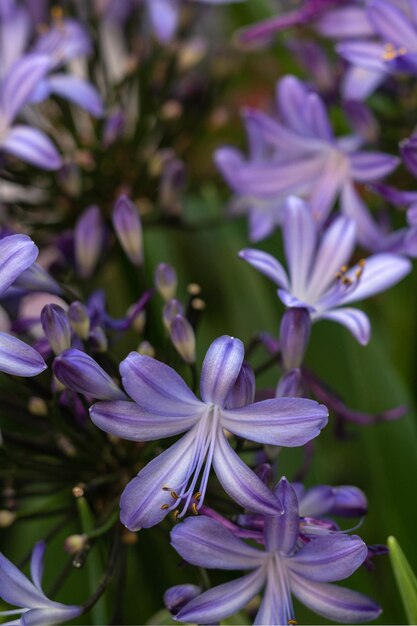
<point x="114" y="282"/>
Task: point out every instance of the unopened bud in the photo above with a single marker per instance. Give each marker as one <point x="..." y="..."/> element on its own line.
<point x="75" y="543"/>
<point x="243" y="391"/>
<point x="88" y="241"/>
<point x="79" y="319"/>
<point x="56" y="327"/>
<point x="166" y="281"/>
<point x="289" y="385"/>
<point x="177" y="597"/>
<point x="171" y="309"/>
<point x="294" y="336"/>
<point x="146" y="349"/>
<point x="98" y="340"/>
<point x="7" y="518"/>
<point x="183" y="338"/>
<point x="37" y="406"/>
<point x="128" y="227"/>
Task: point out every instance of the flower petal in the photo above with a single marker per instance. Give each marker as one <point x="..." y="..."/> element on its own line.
<point x="144" y="496"/>
<point x="21" y="81"/>
<point x="278" y="422"/>
<point x="242" y="485"/>
<point x="36" y="564"/>
<point x="369" y="166"/>
<point x="17" y="358"/>
<point x="78" y="91"/>
<point x="281" y="531"/>
<point x="222" y="601"/>
<point x="276" y="606"/>
<point x="356" y="321"/>
<point x="329" y="183"/>
<point x="33" y="146"/>
<point x="205" y="542"/>
<point x="128" y="421"/>
<point x="299" y="231"/>
<point x="164" y="18"/>
<point x="55" y="614"/>
<point x="221" y="367"/>
<point x="16" y="589"/>
<point x="366" y="54"/>
<point x="156" y="386"/>
<point x="266" y="264"/>
<point x="329" y="558"/>
<point x="344" y="23"/>
<point x="17" y="253"/>
<point x="337" y="604"/>
<point x="392" y="24"/>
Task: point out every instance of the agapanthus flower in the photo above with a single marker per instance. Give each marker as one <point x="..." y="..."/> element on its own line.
<point x="318" y="278"/>
<point x="288" y="564"/>
<point x="17" y="253"/>
<point x="299" y="154"/>
<point x="164" y="406"/>
<point x="392" y="50"/>
<point x="35" y="607"/>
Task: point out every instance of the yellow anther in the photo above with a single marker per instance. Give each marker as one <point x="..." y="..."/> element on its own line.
<point x="197" y="495"/>
<point x="361" y="263"/>
<point x="391" y="52"/>
<point x="344" y="269"/>
<point x="174" y="495"/>
<point x="164" y="507"/>
<point x="292" y="622"/>
<point x="194" y="508"/>
<point x="175" y="515"/>
<point x="57" y="13"/>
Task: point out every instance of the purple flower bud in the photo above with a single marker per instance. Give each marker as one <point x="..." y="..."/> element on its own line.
<point x="171" y="309"/>
<point x="166" y="280"/>
<point x="128" y="227"/>
<point x="56" y="327"/>
<point x="408" y="149"/>
<point x="177" y="597"/>
<point x="98" y="340"/>
<point x="79" y="319"/>
<point x="113" y="128"/>
<point x="88" y="240"/>
<point x="243" y="391"/>
<point x="294" y="336"/>
<point x="349" y="502"/>
<point x="171" y="184"/>
<point x="79" y="372"/>
<point x="289" y="385"/>
<point x="183" y="338"/>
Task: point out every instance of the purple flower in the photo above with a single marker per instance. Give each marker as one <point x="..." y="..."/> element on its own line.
<point x="164" y="406"/>
<point x="17" y="254"/>
<point x="88" y="240"/>
<point x="299" y="154"/>
<point x="287" y="565"/>
<point x="36" y="609"/>
<point x="128" y="227"/>
<point x="318" y="277"/>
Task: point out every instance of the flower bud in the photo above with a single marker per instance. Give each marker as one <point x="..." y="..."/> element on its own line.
<point x="289" y="385"/>
<point x="171" y="309"/>
<point x="177" y="597"/>
<point x="128" y="227"/>
<point x="37" y="406"/>
<point x="183" y="338"/>
<point x="146" y="349"/>
<point x="166" y="281"/>
<point x="294" y="336"/>
<point x="56" y="327"/>
<point x="349" y="502"/>
<point x="88" y="241"/>
<point x="243" y="391"/>
<point x="79" y="372"/>
<point x="98" y="340"/>
<point x="79" y="319"/>
<point x="6" y="518"/>
<point x="75" y="543"/>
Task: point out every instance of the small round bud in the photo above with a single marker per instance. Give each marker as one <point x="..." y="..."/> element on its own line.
<point x="79" y="319"/>
<point x="183" y="338"/>
<point x="75" y="543"/>
<point x="166" y="281"/>
<point x="7" y="518"/>
<point x="146" y="349"/>
<point x="37" y="406"/>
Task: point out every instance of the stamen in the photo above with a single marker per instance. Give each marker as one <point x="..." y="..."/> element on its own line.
<point x="292" y="622"/>
<point x="197" y="495"/>
<point x="164" y="507"/>
<point x="174" y="495"/>
<point x="175" y="515"/>
<point x="391" y="52"/>
<point x="194" y="508"/>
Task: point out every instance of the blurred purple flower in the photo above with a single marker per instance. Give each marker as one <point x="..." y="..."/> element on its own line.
<point x="318" y="277"/>
<point x="164" y="406"/>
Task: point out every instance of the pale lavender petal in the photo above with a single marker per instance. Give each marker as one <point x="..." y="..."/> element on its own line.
<point x="78" y="91"/>
<point x="276" y="606"/>
<point x="344" y="23"/>
<point x="33" y="146"/>
<point x="88" y="240"/>
<point x="329" y="558"/>
<point x="205" y="542"/>
<point x="317" y="117"/>
<point x="56" y="613"/>
<point x="392" y="24"/>
<point x="367" y="54"/>
<point x="36" y="564"/>
<point x="16" y="30"/>
<point x="128" y="421"/>
<point x="142" y="499"/>
<point x="164" y="18"/>
<point x="369" y="166"/>
<point x="279" y="422"/>
<point x="323" y="192"/>
<point x="337" y="604"/>
<point x="17" y="253"/>
<point x="242" y="485"/>
<point x="18" y="358"/>
<point x="16" y="589"/>
<point x="222" y="601"/>
<point x="21" y="81"/>
<point x="221" y="367"/>
<point x="360" y="82"/>
<point x="299" y="232"/>
<point x="356" y="321"/>
<point x="281" y="531"/>
<point x="156" y="386"/>
<point x="368" y="233"/>
<point x="291" y="99"/>
<point x="381" y="271"/>
<point x="335" y="250"/>
<point x="266" y="264"/>
<point x="291" y="301"/>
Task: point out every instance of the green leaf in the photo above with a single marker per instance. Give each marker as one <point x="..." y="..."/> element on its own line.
<point x="406" y="580"/>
